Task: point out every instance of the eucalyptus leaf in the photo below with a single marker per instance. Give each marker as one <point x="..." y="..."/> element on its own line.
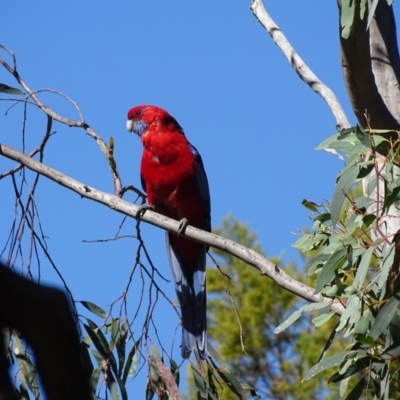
<point x="386" y="265"/>
<point x="363" y="267"/>
<point x="309" y="205"/>
<point x="323" y="365"/>
<point x="296" y="315"/>
<point x="95" y="309"/>
<point x="131" y="362"/>
<point x="384" y="317"/>
<point x="371" y="12"/>
<point x="199" y="382"/>
<point x="363" y="4"/>
<point x="357" y="390"/>
<point x="322" y="319"/>
<point x="352" y="307"/>
<point x="328" y="271"/>
<point x="364" y="202"/>
<point x="10" y="90"/>
<point x="342" y="188"/>
<point x="328" y="142"/>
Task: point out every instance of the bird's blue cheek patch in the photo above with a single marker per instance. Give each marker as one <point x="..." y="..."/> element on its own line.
<point x="139" y="127"/>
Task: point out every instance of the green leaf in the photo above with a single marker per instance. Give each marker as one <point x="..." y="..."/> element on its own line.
<point x="354" y="369"/>
<point x="322" y="319"/>
<point x="232" y="382"/>
<point x="363" y="324"/>
<point x="378" y="139"/>
<point x="212" y="384"/>
<point x="199" y="382"/>
<point x="296" y="315"/>
<point x="363" y="267"/>
<point x="386" y="265"/>
<point x="216" y="357"/>
<point x="122" y="388"/>
<point x="367" y="340"/>
<point x="99" y="343"/>
<point x="357" y="390"/>
<point x="94" y="309"/>
<point x="10" y="90"/>
<point x="351" y="309"/>
<point x="364" y="202"/>
<point x="371" y="12"/>
<point x="362" y="136"/>
<point x="342" y="188"/>
<point x="328" y="142"/>
<point x="309" y="205"/>
<point x="328" y="343"/>
<point x="323" y="365"/>
<point x="121" y="350"/>
<point x="328" y="271"/>
<point x="154" y="371"/>
<point x="384" y="317"/>
<point x="131" y="362"/>
<point x="27" y="370"/>
<point x="149" y="391"/>
<point x="174" y="367"/>
<point x="315" y="262"/>
<point x="363" y="4"/>
<point x="369" y="219"/>
<point x="392" y="197"/>
<point x="94" y="379"/>
<point x="155" y="352"/>
<point x="323" y="217"/>
<point x="346" y="17"/>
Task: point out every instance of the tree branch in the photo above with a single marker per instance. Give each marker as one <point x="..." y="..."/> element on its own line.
<point x="371" y="65"/>
<point x="106" y="149"/>
<point x="245" y="254"/>
<point x="298" y="64"/>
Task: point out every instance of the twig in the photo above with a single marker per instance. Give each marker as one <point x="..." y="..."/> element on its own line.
<point x="225" y="278"/>
<point x="107" y="151"/>
<point x="298" y="64"/>
<point x="245" y="254"/>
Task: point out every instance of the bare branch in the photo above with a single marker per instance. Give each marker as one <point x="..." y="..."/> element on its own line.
<point x="106" y="149"/>
<point x="245" y="254"/>
<point x="298" y="64"/>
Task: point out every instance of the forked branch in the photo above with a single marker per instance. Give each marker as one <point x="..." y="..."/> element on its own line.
<point x="245" y="254"/>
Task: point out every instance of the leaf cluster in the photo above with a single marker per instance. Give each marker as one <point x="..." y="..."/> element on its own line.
<point x="356" y="263"/>
<point x="243" y="311"/>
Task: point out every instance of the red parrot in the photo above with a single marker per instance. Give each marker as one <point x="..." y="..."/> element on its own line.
<point x="173" y="176"/>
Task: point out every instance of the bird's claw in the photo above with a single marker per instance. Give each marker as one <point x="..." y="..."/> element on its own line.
<point x="183" y="223"/>
<point x="142" y="209"/>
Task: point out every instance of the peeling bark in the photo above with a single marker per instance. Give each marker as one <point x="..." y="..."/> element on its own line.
<point x="371" y="68"/>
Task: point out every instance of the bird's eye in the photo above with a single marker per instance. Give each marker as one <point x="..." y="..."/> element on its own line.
<point x="138" y="112"/>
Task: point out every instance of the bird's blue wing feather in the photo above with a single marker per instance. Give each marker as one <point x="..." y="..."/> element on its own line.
<point x="190" y="290"/>
<point x="201" y="184"/>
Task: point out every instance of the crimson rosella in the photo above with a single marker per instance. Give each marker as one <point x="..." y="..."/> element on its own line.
<point x="174" y="179"/>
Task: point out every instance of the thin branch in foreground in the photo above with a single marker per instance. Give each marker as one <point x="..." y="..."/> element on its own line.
<point x="301" y="68"/>
<point x="249" y="256"/>
<point x="225" y="278"/>
<point x="107" y="150"/>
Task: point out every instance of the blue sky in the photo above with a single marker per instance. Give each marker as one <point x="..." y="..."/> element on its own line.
<point x="216" y="70"/>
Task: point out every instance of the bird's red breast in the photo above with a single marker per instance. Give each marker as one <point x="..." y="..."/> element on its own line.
<point x="174" y="179"/>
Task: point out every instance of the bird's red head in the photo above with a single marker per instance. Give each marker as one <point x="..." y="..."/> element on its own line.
<point x="141" y="118"/>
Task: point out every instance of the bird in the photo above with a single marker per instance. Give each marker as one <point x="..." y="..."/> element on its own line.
<point x="174" y="179"/>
